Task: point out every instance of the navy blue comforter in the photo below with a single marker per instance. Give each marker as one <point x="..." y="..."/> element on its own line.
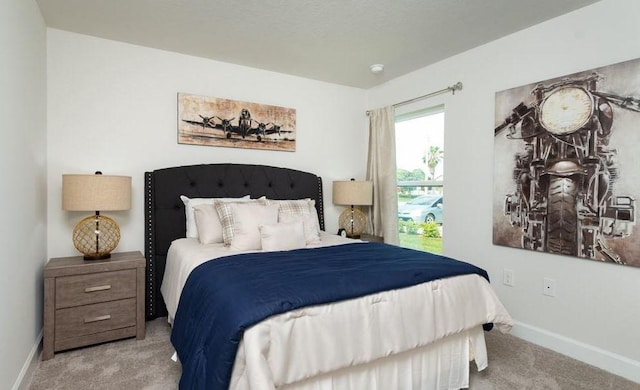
<point x="222" y="298"/>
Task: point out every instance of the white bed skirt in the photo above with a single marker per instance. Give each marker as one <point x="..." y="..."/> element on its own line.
<point x="444" y="364"/>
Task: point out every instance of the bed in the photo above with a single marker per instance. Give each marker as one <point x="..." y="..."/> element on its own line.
<point x="355" y="342"/>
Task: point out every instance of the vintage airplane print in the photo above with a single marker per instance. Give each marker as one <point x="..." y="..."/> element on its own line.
<point x="231" y="123"/>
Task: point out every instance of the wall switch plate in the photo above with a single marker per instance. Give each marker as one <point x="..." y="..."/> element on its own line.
<point x="549" y="287"/>
<point x="508" y="277"/>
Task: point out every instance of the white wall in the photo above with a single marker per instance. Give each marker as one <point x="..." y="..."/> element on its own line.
<point x="23" y="193"/>
<point x="596" y="314"/>
<point x="113" y="107"/>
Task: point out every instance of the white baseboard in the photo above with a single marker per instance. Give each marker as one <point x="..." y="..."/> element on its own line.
<point x="30" y="365"/>
<point x="608" y="361"/>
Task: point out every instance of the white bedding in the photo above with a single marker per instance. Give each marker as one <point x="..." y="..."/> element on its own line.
<point x="352" y="338"/>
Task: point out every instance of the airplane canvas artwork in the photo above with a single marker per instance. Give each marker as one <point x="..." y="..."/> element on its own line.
<point x="212" y="121"/>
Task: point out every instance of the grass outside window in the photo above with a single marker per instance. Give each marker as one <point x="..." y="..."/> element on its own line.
<point x="424" y="237"/>
<point x="421" y="243"/>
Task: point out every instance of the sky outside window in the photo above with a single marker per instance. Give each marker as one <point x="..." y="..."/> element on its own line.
<point x="413" y="139"/>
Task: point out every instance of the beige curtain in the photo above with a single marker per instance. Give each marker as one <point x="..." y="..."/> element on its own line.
<point x="381" y="170"/>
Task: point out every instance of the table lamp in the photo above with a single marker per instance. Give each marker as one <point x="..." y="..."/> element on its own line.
<point x="96" y="236"/>
<point x="353" y="193"/>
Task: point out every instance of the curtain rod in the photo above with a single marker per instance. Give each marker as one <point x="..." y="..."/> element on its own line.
<point x="455" y="87"/>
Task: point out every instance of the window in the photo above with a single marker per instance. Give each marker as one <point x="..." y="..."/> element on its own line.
<point x="420" y="164"/>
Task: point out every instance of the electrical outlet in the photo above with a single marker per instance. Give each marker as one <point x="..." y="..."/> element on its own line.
<point x="549" y="287"/>
<point x="508" y="277"/>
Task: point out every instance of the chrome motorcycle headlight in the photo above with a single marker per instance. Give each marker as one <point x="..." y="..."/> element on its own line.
<point x="566" y="110"/>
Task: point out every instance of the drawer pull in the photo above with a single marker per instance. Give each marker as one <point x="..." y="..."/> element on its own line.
<point x="97" y="288"/>
<point x="96" y="319"/>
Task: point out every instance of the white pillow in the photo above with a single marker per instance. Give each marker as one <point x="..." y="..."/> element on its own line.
<point x="309" y="223"/>
<point x="282" y="236"/>
<point x="208" y="224"/>
<point x="190" y="203"/>
<point x="246" y="219"/>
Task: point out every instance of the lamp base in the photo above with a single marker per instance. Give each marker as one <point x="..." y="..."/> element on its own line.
<point x="96" y="237"/>
<point x="353" y="221"/>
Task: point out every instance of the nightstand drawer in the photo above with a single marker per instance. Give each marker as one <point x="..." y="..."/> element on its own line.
<point x="79" y="290"/>
<point x="100" y="317"/>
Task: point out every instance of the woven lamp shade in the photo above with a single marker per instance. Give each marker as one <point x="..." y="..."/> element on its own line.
<point x="96" y="236"/>
<point x="353" y="193"/>
<point x="96" y="192"/>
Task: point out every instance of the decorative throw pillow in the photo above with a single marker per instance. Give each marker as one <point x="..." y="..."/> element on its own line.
<point x="297" y="207"/>
<point x="190" y="203"/>
<point x="226" y="217"/>
<point x="282" y="236"/>
<point x="309" y="225"/>
<point x="246" y="219"/>
<point x="208" y="224"/>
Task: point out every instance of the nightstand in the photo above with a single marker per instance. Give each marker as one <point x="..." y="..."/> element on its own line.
<point x="371" y="238"/>
<point x="92" y="301"/>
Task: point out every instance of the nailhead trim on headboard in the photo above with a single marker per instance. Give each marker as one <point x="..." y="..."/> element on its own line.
<point x="149" y="245"/>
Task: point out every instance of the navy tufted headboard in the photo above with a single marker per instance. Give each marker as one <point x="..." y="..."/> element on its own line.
<point x="165" y="215"/>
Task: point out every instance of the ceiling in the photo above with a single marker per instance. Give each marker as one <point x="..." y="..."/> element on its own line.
<point x="329" y="40"/>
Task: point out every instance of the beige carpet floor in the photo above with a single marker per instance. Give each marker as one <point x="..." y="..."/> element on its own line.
<point x="131" y="365"/>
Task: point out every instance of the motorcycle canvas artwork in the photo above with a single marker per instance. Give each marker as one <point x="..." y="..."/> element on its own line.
<point x="223" y="122"/>
<point x="567" y="165"/>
